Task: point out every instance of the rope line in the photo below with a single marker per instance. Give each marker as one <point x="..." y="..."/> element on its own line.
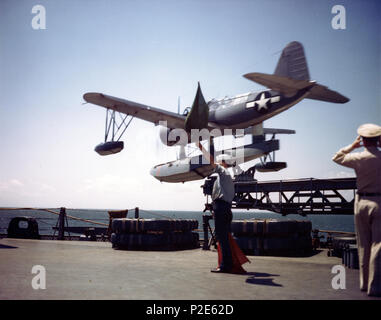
<point x="56" y="213"/>
<point x="157" y="214"/>
<point x="145" y="211"/>
<point x="81" y="219"/>
<point x="36" y="209"/>
<point x="343" y="232"/>
<point x="89" y="221"/>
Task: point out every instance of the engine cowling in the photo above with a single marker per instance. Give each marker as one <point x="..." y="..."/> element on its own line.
<point x="172" y="137"/>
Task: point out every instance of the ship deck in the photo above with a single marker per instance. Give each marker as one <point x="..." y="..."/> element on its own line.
<point x="93" y="270"/>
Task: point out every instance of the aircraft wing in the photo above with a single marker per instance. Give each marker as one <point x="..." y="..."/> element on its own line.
<point x="136" y="110"/>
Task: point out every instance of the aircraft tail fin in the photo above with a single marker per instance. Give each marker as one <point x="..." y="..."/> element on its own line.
<point x="291" y="74"/>
<point x="292" y="63"/>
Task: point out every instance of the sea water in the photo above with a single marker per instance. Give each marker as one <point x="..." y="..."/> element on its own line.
<point x="46" y="221"/>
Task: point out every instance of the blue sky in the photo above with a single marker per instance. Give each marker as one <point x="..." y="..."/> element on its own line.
<point x="152" y="52"/>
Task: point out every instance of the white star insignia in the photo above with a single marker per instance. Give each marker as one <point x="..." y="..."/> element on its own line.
<point x="261" y="103"/>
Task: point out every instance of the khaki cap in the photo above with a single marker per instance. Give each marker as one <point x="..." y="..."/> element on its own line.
<point x="369" y="130"/>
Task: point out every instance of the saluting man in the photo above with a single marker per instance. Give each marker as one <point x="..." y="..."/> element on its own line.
<point x="222" y="196"/>
<point x="367" y="209"/>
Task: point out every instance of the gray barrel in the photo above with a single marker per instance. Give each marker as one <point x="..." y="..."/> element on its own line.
<point x="270" y="227"/>
<point x="273" y="237"/>
<point x="154" y="234"/>
<point x="350" y="256"/>
<point x="152" y="241"/>
<point x="250" y="245"/>
<point x="247" y="227"/>
<point x="126" y="225"/>
<point x="339" y="244"/>
<point x="292" y="245"/>
<point x="353" y="257"/>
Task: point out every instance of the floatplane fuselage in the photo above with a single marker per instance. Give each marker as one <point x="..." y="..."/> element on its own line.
<point x="239" y="115"/>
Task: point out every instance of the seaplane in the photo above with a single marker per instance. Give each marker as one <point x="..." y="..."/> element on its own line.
<point x="237" y="116"/>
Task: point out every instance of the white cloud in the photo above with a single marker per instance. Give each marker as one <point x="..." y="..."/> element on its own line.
<point x="25" y="193"/>
<point x="10" y="184"/>
<point x="43" y="187"/>
<point x="15" y="183"/>
<point x="105" y="183"/>
<point x="112" y="191"/>
<point x="340" y="174"/>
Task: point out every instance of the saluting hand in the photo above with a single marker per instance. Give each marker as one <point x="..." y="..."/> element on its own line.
<point x="357" y="143"/>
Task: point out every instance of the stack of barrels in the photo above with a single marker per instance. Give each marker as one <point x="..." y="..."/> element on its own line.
<point x="273" y="237"/>
<point x="339" y="244"/>
<point x="350" y="256"/>
<point x="346" y="249"/>
<point x="154" y="234"/>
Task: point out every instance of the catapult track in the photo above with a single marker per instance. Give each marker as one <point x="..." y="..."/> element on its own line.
<point x="296" y="196"/>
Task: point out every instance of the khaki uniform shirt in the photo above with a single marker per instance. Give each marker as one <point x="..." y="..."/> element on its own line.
<point x="367" y="165"/>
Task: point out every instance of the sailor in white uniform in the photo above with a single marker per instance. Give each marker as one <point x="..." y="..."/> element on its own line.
<point x="367" y="165"/>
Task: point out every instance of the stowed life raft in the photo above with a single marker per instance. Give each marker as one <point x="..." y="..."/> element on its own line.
<point x="24" y="228"/>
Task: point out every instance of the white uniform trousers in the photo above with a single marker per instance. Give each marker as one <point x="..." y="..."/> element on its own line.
<point x="368" y="234"/>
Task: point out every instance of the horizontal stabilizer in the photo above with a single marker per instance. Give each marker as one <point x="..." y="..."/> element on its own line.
<point x="319" y="92"/>
<point x="286" y="86"/>
<point x="278" y="83"/>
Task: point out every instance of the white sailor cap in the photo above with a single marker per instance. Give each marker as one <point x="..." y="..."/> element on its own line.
<point x="369" y="130"/>
<point x="224" y="157"/>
